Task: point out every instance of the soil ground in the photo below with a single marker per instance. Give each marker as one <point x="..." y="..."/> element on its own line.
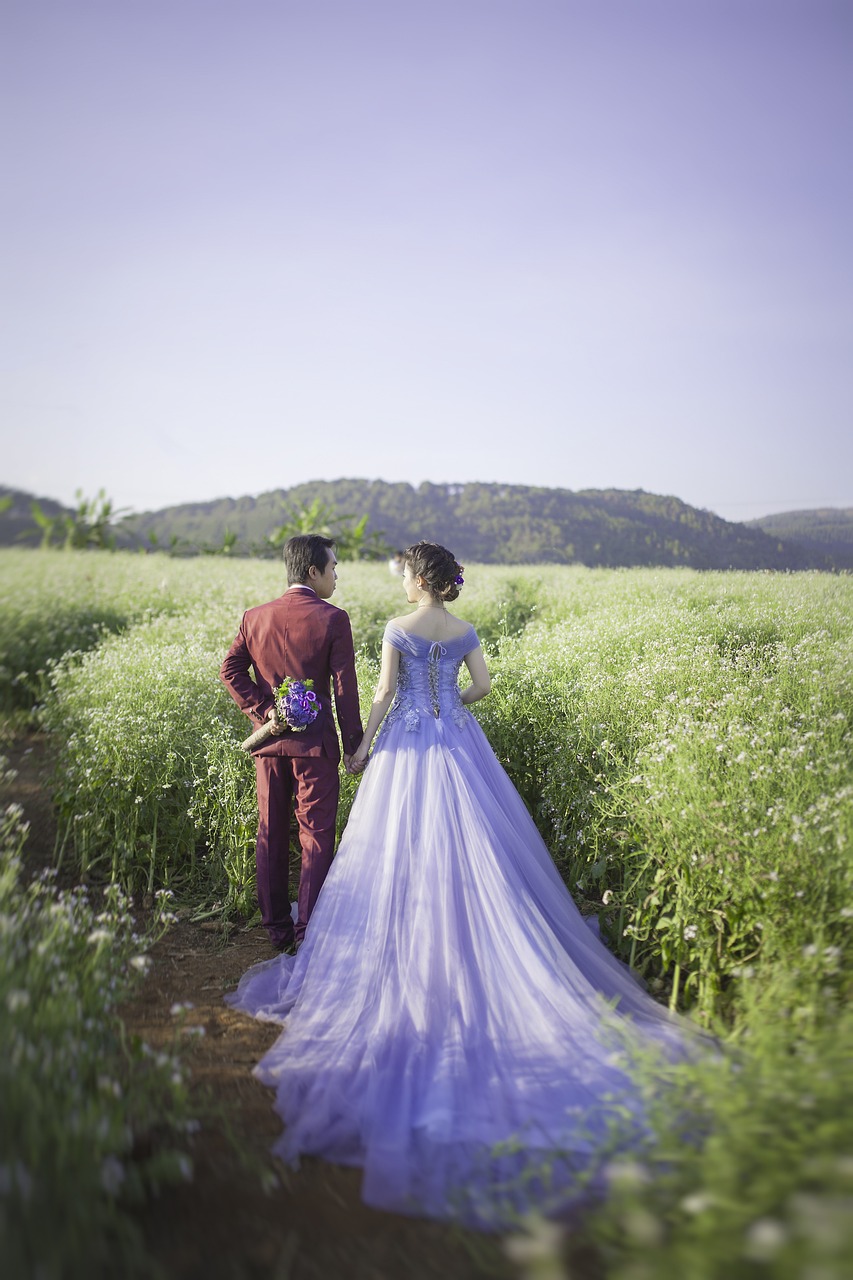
<point x="310" y="1224"/>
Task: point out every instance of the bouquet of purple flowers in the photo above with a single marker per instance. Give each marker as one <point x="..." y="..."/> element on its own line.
<point x="296" y="703"/>
<point x="297" y="706"/>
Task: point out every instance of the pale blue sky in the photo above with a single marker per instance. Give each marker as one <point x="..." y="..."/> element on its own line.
<point x="534" y="241"/>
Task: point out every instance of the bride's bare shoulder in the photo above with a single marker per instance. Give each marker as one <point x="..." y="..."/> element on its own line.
<point x="458" y="626"/>
<point x="400" y="621"/>
<point x="451" y="626"/>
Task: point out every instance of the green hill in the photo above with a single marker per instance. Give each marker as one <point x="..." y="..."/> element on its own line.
<point x="825" y="530"/>
<point x="493" y="523"/>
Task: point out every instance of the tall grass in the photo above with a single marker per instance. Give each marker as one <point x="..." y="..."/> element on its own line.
<point x="79" y="1102"/>
<point x="687" y="755"/>
<point x="683" y="741"/>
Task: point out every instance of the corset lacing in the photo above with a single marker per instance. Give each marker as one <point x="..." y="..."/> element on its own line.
<point x="427" y="685"/>
<point x="436" y="651"/>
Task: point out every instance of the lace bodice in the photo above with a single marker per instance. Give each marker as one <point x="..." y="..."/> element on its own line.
<point x="428" y="677"/>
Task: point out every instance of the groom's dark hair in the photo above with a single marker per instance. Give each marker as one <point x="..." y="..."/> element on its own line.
<point x="304" y="550"/>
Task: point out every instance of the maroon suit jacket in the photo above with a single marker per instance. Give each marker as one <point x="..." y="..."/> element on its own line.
<point x="302" y="636"/>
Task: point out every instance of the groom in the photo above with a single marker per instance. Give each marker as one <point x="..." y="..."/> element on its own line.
<point x="302" y="636"/>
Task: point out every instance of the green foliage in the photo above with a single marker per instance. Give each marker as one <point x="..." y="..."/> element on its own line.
<point x="683" y="741"/>
<point x="80" y="1104"/>
<point x="136" y="734"/>
<point x="352" y="540"/>
<point x="88" y="525"/>
<point x="687" y="756"/>
<point x="49" y="526"/>
<point x="52" y="604"/>
<point x="748" y="1170"/>
<point x="490" y="523"/>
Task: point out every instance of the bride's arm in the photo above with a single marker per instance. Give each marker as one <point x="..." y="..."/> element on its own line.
<point x="382" y="699"/>
<point x="480" y="680"/>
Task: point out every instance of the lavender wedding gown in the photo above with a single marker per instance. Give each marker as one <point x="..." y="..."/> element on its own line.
<point x="450" y="1022"/>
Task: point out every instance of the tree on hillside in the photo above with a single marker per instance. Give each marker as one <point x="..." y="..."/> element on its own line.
<point x="49" y="525"/>
<point x="89" y="525"/>
<point x="352" y="540"/>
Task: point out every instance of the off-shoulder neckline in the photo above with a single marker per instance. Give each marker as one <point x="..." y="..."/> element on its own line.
<point x="463" y="635"/>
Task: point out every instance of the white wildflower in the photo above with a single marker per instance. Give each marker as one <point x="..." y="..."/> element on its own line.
<point x="697" y="1203"/>
<point x="626" y="1173"/>
<point x="538" y="1250"/>
<point x="764" y="1239"/>
<point x="112" y="1175"/>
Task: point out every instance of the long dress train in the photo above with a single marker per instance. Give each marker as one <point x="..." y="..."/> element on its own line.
<point x="450" y="1023"/>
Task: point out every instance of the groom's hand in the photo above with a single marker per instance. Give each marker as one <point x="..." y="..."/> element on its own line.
<point x="277" y="728"/>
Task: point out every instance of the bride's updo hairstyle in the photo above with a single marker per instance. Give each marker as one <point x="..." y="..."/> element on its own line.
<point x="438" y="567"/>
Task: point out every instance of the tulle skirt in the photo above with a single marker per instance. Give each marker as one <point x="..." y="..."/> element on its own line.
<point x="450" y="1022"/>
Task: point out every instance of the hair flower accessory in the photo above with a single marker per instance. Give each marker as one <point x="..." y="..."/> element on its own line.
<point x="459" y="580"/>
<point x="297" y="704"/>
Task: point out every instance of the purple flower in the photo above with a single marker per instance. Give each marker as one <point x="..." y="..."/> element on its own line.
<point x="298" y="706"/>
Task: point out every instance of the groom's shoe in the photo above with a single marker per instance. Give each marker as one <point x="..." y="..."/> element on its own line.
<point x="281" y="940"/>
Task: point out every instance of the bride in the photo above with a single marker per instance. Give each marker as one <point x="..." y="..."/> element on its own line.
<point x="451" y="1025"/>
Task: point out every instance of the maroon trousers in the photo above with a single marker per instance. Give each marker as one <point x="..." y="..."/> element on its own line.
<point x="314" y="783"/>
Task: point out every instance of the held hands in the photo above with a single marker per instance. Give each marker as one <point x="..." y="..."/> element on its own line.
<point x="358" y="760"/>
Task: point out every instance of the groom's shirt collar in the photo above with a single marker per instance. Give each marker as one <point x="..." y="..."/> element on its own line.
<point x="301" y="586"/>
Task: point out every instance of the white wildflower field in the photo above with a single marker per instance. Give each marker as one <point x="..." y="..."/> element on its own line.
<point x="683" y="741"/>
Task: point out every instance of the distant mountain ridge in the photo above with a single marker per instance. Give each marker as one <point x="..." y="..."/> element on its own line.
<point x="823" y="530"/>
<point x="496" y="523"/>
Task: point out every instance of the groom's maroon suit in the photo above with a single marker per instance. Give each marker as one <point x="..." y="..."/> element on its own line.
<point x="301" y="636"/>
